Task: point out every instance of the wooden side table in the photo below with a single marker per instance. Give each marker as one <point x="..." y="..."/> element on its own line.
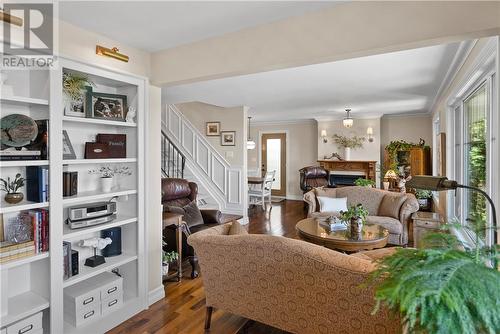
<point x="168" y="219"/>
<point x="424" y="222"/>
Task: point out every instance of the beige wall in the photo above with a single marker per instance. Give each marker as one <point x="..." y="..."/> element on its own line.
<point x="369" y="151"/>
<point x="301" y="149"/>
<point x="231" y="119"/>
<point x="409" y="128"/>
<point x="348" y="30"/>
<point x="79" y="44"/>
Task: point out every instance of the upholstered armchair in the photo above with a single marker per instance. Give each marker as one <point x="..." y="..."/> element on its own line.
<point x="313" y="177"/>
<point x="179" y="196"/>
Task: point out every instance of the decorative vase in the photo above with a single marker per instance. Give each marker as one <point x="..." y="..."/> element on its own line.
<point x="356" y="226"/>
<point x="386" y="185"/>
<point x="347" y="153"/>
<point x="14" y="198"/>
<point x="164" y="269"/>
<point x="106" y="184"/>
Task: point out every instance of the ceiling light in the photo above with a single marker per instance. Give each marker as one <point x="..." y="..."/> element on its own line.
<point x="348" y="122"/>
<point x="112" y="53"/>
<point x="250" y="143"/>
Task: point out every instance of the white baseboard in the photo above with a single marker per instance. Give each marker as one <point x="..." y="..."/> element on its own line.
<point x="156" y="294"/>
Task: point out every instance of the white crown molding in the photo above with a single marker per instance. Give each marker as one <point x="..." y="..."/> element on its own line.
<point x="330" y="119"/>
<point x="283" y="122"/>
<point x="422" y="114"/>
<point x="463" y="51"/>
<point x="481" y="64"/>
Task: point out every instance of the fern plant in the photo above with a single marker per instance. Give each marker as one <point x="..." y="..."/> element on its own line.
<point x="441" y="288"/>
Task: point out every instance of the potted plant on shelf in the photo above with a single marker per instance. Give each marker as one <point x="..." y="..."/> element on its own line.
<point x="74" y="86"/>
<point x="424" y="199"/>
<point x="364" y="183"/>
<point x="108" y="173"/>
<point x="356" y="216"/>
<point x="442" y="288"/>
<point x="348" y="143"/>
<point x="13" y="195"/>
<point x="167" y="258"/>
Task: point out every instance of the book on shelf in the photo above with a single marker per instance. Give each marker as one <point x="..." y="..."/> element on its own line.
<point x="28" y="226"/>
<point x="38" y="149"/>
<point x="66" y="260"/>
<point x="10" y="251"/>
<point x="37" y="183"/>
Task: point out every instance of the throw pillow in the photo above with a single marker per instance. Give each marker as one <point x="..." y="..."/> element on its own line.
<point x="236" y="229"/>
<point x="332" y="204"/>
<point x="190" y="213"/>
<point x="390" y="205"/>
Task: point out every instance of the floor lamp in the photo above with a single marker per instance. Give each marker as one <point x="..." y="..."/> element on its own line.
<point x="441" y="183"/>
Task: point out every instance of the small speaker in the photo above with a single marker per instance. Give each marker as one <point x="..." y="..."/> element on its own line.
<point x="115" y="234"/>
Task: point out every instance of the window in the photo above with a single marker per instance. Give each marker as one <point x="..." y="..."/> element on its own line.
<point x="472" y="156"/>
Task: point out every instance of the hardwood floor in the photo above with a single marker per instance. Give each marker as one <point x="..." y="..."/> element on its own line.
<point x="182" y="311"/>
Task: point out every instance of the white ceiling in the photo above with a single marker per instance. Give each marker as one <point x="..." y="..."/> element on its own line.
<point x="405" y="82"/>
<point x="157" y="25"/>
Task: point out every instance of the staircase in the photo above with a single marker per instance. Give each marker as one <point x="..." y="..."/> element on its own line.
<point x="173" y="162"/>
<point x="186" y="153"/>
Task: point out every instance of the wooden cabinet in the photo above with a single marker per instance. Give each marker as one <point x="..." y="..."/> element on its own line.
<point x="423" y="223"/>
<point x="417" y="158"/>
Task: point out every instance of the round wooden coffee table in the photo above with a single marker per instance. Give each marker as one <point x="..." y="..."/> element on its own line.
<point x="372" y="236"/>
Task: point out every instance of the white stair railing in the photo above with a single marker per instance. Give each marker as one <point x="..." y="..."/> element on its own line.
<point x="222" y="180"/>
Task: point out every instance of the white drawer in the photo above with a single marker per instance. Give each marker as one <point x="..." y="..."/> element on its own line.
<point x="112" y="289"/>
<point x="26" y="326"/>
<point x="85" y="315"/>
<point x="74" y="303"/>
<point x="427" y="224"/>
<point x="112" y="304"/>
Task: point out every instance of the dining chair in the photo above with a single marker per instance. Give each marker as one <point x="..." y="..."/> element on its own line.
<point x="258" y="196"/>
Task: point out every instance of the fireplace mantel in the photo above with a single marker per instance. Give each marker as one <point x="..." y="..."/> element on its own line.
<point x="368" y="168"/>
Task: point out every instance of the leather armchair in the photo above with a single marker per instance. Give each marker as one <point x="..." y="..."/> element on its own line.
<point x="313" y="177"/>
<point x="177" y="193"/>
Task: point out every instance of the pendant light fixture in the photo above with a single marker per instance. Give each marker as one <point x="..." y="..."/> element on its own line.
<point x="250" y="142"/>
<point x="348" y="121"/>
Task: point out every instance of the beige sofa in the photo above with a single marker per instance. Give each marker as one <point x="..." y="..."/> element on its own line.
<point x="289" y="284"/>
<point x="390" y="209"/>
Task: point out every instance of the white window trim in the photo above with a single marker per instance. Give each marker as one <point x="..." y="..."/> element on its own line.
<point x="484" y="69"/>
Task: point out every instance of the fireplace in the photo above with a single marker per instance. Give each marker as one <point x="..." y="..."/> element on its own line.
<point x="343" y="180"/>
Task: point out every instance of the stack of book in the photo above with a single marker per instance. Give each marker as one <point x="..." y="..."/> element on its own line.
<point x="10" y="251"/>
<point x="8" y="155"/>
<point x="70" y="261"/>
<point x="23" y="227"/>
<point x="36" y="150"/>
<point x="37" y="184"/>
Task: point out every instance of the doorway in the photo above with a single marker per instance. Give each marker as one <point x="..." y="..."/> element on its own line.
<point x="273" y="153"/>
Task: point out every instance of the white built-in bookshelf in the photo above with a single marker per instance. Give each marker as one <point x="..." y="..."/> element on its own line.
<point x="35" y="284"/>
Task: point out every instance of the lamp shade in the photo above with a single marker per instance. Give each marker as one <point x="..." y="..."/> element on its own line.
<point x="348" y="122"/>
<point x="323" y="133"/>
<point x="434" y="183"/>
<point x="369" y="131"/>
<point x="390" y="174"/>
<point x="250" y="145"/>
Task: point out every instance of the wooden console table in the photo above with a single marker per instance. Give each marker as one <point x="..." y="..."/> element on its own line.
<point x="367" y="167"/>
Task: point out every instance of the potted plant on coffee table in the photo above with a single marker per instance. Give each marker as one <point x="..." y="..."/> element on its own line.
<point x="444" y="288"/>
<point x="13" y="195"/>
<point x="356" y="216"/>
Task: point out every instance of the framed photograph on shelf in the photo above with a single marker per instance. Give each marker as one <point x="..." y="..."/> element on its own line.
<point x="68" y="151"/>
<point x="213" y="128"/>
<point x="112" y="107"/>
<point x="228" y="138"/>
<point x="75" y="108"/>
